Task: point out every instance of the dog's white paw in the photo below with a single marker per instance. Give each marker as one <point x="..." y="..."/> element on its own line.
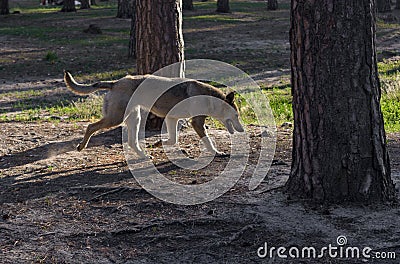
<point x="80" y="147"/>
<point x="160" y="143"/>
<point x="221" y="154"/>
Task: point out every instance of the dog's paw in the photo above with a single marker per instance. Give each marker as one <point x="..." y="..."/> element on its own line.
<point x="145" y="157"/>
<point x="222" y="155"/>
<point x="80" y="147"/>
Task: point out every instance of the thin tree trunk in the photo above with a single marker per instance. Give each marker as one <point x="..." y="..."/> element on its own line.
<point x="223" y="6"/>
<point x="383" y="5"/>
<point x="132" y="36"/>
<point x="4" y="8"/>
<point x="187" y="5"/>
<point x="159" y="39"/>
<point x="85" y="4"/>
<point x="339" y="142"/>
<point x="272" y="5"/>
<point x="68" y="6"/>
<point x="397" y="4"/>
<point x="124" y="9"/>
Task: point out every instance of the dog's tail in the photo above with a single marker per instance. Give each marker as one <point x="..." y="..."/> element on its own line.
<point x="85" y="89"/>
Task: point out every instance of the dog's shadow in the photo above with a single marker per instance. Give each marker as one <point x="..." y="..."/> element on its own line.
<point x="54" y="149"/>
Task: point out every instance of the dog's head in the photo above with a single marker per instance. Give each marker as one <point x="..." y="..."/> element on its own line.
<point x="230" y="117"/>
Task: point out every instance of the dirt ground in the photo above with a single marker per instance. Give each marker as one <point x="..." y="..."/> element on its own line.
<point x="58" y="205"/>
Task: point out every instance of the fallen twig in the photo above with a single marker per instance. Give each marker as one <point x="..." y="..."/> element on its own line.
<point x="120" y="189"/>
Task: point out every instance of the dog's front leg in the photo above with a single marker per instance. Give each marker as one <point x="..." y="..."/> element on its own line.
<point x="133" y="124"/>
<point x="198" y="125"/>
<point x="172" y="129"/>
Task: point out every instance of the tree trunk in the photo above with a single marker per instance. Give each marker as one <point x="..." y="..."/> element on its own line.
<point x="187" y="5"/>
<point x="397" y="4"/>
<point x="132" y="35"/>
<point x="159" y="39"/>
<point x="4" y="8"/>
<point x="339" y="143"/>
<point x="124" y="9"/>
<point x="223" y="6"/>
<point x="272" y="5"/>
<point x="383" y="5"/>
<point x="93" y="2"/>
<point x="85" y="4"/>
<point x="68" y="6"/>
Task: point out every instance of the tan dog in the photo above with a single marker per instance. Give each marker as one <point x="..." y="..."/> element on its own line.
<point x="119" y="95"/>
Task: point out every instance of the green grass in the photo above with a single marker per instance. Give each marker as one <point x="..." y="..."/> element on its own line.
<point x="237" y="6"/>
<point x="390" y="104"/>
<point x="32" y="109"/>
<point x="389" y="74"/>
<point x="280" y="101"/>
<point x="215" y="18"/>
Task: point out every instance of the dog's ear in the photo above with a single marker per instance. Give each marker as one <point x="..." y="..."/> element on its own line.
<point x="230" y="97"/>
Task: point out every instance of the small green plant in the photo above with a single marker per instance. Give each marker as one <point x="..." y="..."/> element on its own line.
<point x="51" y="57"/>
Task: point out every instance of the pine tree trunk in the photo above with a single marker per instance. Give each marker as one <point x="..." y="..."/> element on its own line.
<point x="187" y="5"/>
<point x="397" y="4"/>
<point x="68" y="6"/>
<point x="339" y="143"/>
<point x="223" y="6"/>
<point x="159" y="39"/>
<point x="4" y="8"/>
<point x="272" y="5"/>
<point x="132" y="35"/>
<point x="124" y="9"/>
<point x="383" y="5"/>
<point x="85" y="4"/>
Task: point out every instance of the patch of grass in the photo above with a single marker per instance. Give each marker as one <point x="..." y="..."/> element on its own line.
<point x="384" y="25"/>
<point x="237" y="6"/>
<point x="390" y="104"/>
<point x="105" y="76"/>
<point x="280" y="101"/>
<point x="41" y="33"/>
<point x="37" y="10"/>
<point x="51" y="57"/>
<point x="389" y="74"/>
<point x="83" y="109"/>
<point x="389" y="69"/>
<point x="22" y="94"/>
<point x="215" y="18"/>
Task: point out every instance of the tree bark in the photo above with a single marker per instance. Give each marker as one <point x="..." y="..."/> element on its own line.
<point x="68" y="6"/>
<point x="383" y="5"/>
<point x="397" y="4"/>
<point x="339" y="142"/>
<point x="85" y="4"/>
<point x="223" y="6"/>
<point x="125" y="9"/>
<point x="4" y="7"/>
<point x="159" y="39"/>
<point x="187" y="5"/>
<point x="272" y="5"/>
<point x="132" y="35"/>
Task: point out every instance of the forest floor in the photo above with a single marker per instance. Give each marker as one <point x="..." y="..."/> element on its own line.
<point x="58" y="205"/>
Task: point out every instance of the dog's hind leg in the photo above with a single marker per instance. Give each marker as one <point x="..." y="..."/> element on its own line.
<point x="133" y="124"/>
<point x="198" y="125"/>
<point x="92" y="128"/>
